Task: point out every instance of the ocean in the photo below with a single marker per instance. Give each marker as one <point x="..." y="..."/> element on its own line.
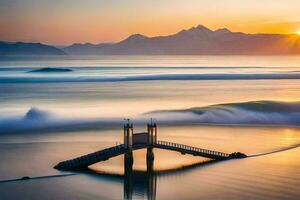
<point x="56" y="108"/>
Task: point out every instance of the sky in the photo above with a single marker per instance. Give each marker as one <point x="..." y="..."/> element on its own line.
<point x="63" y="22"/>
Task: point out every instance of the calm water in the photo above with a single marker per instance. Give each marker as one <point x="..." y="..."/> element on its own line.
<point x="49" y="117"/>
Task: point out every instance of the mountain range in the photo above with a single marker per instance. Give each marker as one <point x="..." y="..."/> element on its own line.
<point x="195" y="41"/>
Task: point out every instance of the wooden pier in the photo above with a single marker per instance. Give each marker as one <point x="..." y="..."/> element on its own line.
<point x="146" y="140"/>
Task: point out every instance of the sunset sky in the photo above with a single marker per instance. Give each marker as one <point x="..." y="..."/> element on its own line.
<point x="63" y="22"/>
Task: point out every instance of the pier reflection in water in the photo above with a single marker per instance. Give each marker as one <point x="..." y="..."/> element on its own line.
<point x="143" y="183"/>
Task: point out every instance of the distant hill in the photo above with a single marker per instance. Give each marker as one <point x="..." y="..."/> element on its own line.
<point x="22" y="48"/>
<point x="85" y="49"/>
<point x="195" y="41"/>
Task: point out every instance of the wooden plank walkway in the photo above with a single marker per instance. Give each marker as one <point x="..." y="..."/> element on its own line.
<point x="92" y="158"/>
<point x="83" y="162"/>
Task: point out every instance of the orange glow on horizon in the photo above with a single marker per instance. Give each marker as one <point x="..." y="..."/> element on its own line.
<point x="104" y="21"/>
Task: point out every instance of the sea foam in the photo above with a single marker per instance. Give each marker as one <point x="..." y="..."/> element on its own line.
<point x="252" y="113"/>
<point x="246" y="113"/>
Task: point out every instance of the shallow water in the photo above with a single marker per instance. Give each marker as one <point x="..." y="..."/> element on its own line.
<point x="81" y="108"/>
<point x="274" y="176"/>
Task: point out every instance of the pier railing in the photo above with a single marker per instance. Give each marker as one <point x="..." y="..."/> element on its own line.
<point x="190" y="149"/>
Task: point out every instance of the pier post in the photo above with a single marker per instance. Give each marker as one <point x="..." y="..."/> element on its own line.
<point x="128" y="134"/>
<point x="128" y="176"/>
<point x="152" y="139"/>
<point x="151" y="181"/>
<point x="128" y="160"/>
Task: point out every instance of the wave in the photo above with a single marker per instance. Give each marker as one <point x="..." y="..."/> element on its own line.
<point x="130" y="67"/>
<point x="246" y="113"/>
<point x="252" y="113"/>
<point x="157" y="77"/>
<point x="276" y="151"/>
<point x="50" y="70"/>
<point x="36" y="120"/>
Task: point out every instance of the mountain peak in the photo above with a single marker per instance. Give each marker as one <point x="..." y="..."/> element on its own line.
<point x="199" y="28"/>
<point x="222" y="30"/>
<point x="196" y="31"/>
<point x="136" y="37"/>
<point x="133" y="39"/>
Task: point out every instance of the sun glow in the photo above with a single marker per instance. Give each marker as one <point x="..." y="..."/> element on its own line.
<point x="298" y="32"/>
